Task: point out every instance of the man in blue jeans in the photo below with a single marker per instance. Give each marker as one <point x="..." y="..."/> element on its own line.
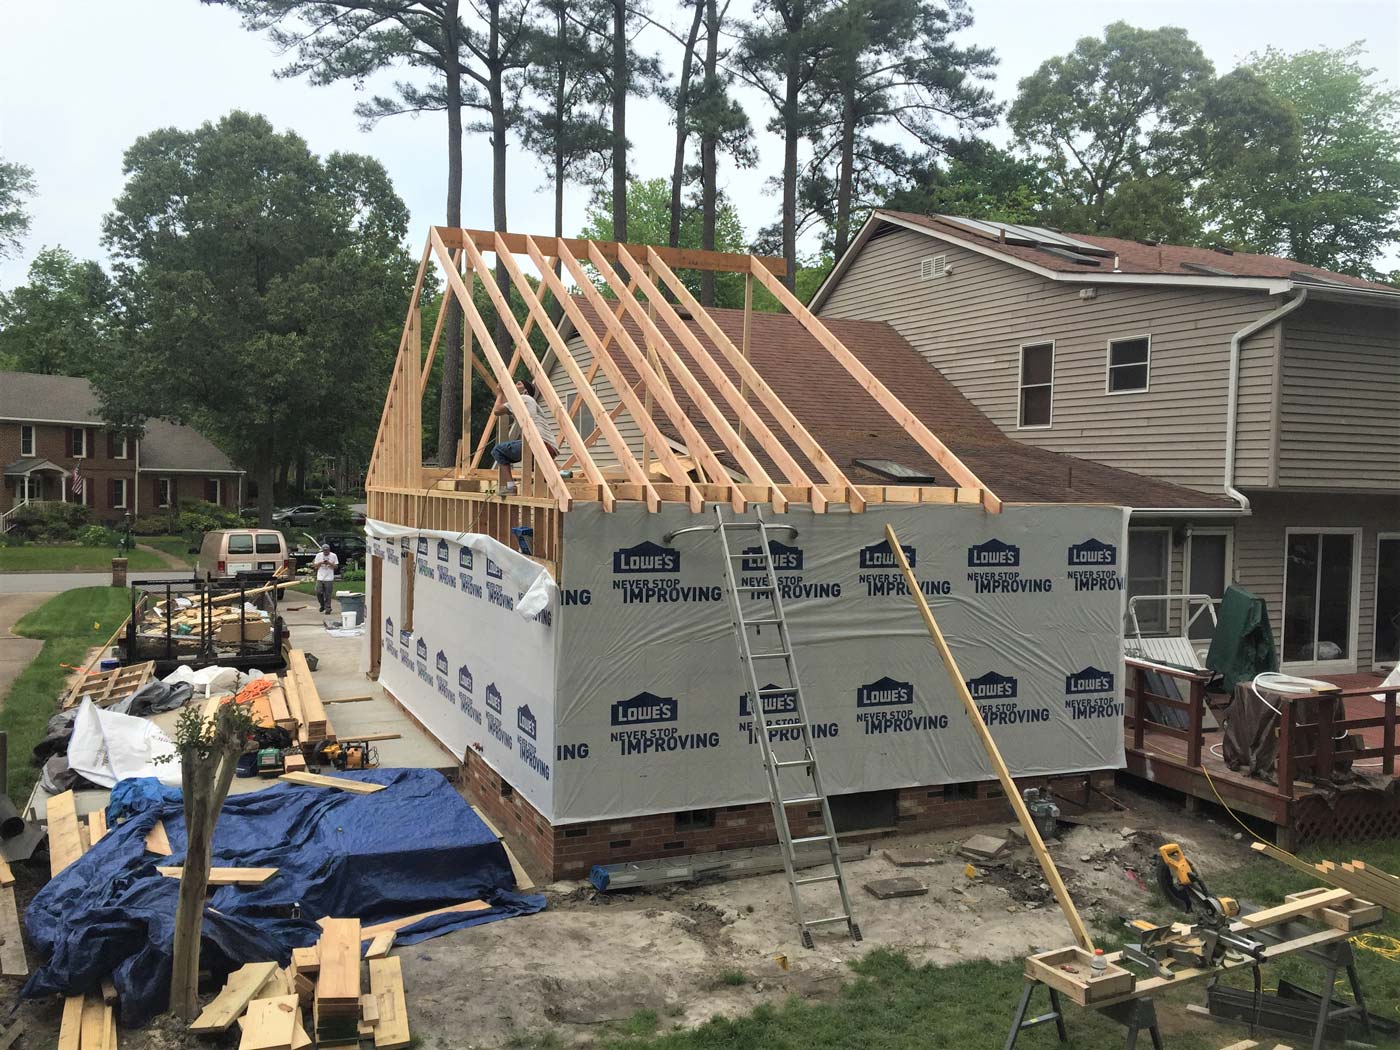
<point x="505" y="453"/>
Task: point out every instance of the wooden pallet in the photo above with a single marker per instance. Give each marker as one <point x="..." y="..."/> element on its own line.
<point x="109" y="687"/>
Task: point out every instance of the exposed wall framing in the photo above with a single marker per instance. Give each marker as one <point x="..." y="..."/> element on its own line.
<point x="743" y="446"/>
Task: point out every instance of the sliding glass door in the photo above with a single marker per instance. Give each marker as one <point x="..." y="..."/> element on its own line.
<point x="1320" y="598"/>
<point x="1387" y="650"/>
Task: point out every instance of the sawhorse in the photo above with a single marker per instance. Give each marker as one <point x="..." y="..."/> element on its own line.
<point x="1135" y="1015"/>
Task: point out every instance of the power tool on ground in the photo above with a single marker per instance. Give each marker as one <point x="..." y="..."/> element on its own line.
<point x="1207" y="941"/>
<point x="346" y="754"/>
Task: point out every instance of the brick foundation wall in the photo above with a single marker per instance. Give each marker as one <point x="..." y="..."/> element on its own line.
<point x="568" y="851"/>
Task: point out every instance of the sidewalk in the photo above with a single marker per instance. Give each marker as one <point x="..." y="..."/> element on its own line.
<point x="16" y="652"/>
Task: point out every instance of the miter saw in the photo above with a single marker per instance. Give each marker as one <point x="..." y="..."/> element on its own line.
<point x="1202" y="944"/>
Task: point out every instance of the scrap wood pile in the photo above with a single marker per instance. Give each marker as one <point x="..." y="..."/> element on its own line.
<point x="1362" y="880"/>
<point x="184" y="618"/>
<point x="106" y="688"/>
<point x="319" y="997"/>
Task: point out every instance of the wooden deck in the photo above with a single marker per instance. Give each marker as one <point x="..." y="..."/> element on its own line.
<point x="1188" y="760"/>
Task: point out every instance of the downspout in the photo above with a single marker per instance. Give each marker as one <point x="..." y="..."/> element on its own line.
<point x="1233" y="401"/>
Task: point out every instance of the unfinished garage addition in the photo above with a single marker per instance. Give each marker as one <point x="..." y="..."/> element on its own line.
<point x="579" y="656"/>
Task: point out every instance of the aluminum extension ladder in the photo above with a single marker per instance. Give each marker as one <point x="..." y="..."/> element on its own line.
<point x="777" y="741"/>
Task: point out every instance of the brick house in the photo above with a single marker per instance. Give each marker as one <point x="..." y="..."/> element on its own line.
<point x="51" y="427"/>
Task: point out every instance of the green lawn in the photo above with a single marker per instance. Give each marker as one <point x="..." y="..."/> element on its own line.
<point x="63" y="558"/>
<point x="179" y="546"/>
<point x="894" y="1004"/>
<point x="70" y="624"/>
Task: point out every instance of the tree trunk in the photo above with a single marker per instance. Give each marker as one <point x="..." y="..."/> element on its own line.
<point x="196" y="782"/>
<point x="265" y="471"/>
<point x="284" y="472"/>
<point x="683" y="125"/>
<point x="498" y="186"/>
<point x="450" y="391"/>
<point x="620" y="86"/>
<point x="709" y="149"/>
<point x="845" y="187"/>
<point x="300" y="482"/>
<point x="792" y="137"/>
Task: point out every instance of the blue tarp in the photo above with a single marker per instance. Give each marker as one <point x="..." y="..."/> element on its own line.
<point x="411" y="848"/>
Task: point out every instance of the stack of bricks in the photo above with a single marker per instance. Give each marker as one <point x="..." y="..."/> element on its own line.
<point x="569" y="851"/>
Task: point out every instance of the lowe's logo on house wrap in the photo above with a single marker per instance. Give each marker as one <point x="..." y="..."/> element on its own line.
<point x="441" y="662"/>
<point x="646" y="557"/>
<point x="646" y="725"/>
<point x="886" y="706"/>
<point x="493" y="697"/>
<point x="781" y="716"/>
<point x="493" y="571"/>
<point x="444" y="678"/>
<point x="422" y="649"/>
<point x="389" y="626"/>
<point x="993" y="554"/>
<point x="442" y="550"/>
<point x="465" y="700"/>
<point x="464" y="558"/>
<point x="879" y="556"/>
<point x="389" y="637"/>
<point x="644" y="708"/>
<point x="992" y="686"/>
<point x="1093" y="566"/>
<point x="1090" y="694"/>
<point x="525" y="723"/>
<point x="775" y="703"/>
<point x="785" y="558"/>
<point x="996" y="566"/>
<point x="422" y="546"/>
<point x="494" y="727"/>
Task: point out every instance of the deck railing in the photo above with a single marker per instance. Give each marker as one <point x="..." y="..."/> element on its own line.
<point x="1139" y="697"/>
<point x="1310" y="747"/>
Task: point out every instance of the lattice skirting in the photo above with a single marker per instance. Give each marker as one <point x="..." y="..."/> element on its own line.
<point x="1356" y="815"/>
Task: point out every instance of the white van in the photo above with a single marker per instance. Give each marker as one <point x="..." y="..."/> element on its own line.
<point x="227" y="553"/>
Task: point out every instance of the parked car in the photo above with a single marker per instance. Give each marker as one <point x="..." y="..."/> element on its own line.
<point x="358" y="513"/>
<point x="234" y="553"/>
<point x="347" y="546"/>
<point x="301" y="514"/>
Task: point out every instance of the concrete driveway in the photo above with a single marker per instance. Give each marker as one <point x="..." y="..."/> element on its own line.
<point x="16" y="652"/>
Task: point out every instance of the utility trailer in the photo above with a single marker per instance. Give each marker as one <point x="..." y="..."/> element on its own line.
<point x="209" y="623"/>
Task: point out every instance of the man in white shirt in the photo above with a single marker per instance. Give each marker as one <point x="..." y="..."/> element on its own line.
<point x="325" y="564"/>
<point x="507" y="452"/>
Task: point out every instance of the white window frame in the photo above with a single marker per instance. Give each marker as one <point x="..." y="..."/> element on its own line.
<point x="119" y="442"/>
<point x="165" y="493"/>
<point x="1021" y="387"/>
<point x="121" y="501"/>
<point x="1377" y="665"/>
<point x="84" y="442"/>
<point x="218" y="490"/>
<point x="1186" y="587"/>
<point x="1109" y="365"/>
<point x="27" y="430"/>
<point x="1349" y="664"/>
<point x="1166" y="530"/>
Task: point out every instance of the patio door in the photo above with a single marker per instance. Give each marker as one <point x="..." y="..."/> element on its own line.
<point x="1320" y="592"/>
<point x="1386" y="653"/>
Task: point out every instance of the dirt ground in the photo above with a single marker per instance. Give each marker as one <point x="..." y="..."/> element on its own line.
<point x="591" y="958"/>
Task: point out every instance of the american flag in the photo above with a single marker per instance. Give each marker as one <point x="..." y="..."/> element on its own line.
<point x="79" y="482"/>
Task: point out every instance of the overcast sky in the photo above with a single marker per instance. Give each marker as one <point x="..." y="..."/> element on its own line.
<point x="80" y="80"/>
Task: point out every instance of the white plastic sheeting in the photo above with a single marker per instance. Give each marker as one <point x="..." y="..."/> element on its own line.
<point x="644" y="709"/>
<point x="107" y="747"/>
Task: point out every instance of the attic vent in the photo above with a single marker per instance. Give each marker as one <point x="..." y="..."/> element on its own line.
<point x="933" y="266"/>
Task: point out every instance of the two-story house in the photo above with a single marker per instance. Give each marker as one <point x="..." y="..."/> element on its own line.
<point x="1270" y="387"/>
<point x="51" y="434"/>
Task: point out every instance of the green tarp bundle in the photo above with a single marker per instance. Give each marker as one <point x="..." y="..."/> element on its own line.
<point x="1243" y="645"/>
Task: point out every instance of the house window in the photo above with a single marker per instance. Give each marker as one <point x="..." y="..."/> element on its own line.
<point x="1128" y="364"/>
<point x="119" y="446"/>
<point x="79" y="439"/>
<point x="1149" y="573"/>
<point x="695" y="819"/>
<point x="26" y="440"/>
<point x="119" y="494"/>
<point x="1387" y="641"/>
<point x="212" y="490"/>
<point x="1319" y="597"/>
<point x="1208" y="571"/>
<point x="165" y="492"/>
<point x="1037" y="379"/>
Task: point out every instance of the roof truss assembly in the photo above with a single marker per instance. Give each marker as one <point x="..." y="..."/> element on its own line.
<point x="712" y="428"/>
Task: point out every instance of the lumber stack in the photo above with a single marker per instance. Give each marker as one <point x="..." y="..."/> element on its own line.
<point x="305" y="701"/>
<point x="1365" y="882"/>
<point x="337" y="1010"/>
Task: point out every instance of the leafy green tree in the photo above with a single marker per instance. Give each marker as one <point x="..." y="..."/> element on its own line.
<point x="1334" y="199"/>
<point x="649" y="221"/>
<point x="59" y="321"/>
<point x="1109" y="114"/>
<point x="974" y="178"/>
<point x="262" y="290"/>
<point x="16" y="184"/>
<point x="894" y="65"/>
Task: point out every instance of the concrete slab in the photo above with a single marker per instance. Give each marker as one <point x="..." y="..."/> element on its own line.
<point x="15" y="652"/>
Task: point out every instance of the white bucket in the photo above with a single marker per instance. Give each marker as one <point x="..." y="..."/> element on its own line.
<point x="347" y="619"/>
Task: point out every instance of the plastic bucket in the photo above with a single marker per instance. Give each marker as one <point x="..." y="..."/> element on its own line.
<point x="348" y="618"/>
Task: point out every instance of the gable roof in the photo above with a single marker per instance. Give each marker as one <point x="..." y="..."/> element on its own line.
<point x="32" y="397"/>
<point x="850" y="425"/>
<point x="1115" y="260"/>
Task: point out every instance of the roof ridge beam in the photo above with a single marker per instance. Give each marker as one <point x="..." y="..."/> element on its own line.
<point x="788" y="420"/>
<point x="791" y="469"/>
<point x="652" y="381"/>
<point x="583" y="389"/>
<point x="747" y="461"/>
<point x="884" y="397"/>
<point x="528" y="431"/>
<point x="578" y="248"/>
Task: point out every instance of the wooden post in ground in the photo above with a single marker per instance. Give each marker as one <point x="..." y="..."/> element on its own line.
<point x="1047" y="864"/>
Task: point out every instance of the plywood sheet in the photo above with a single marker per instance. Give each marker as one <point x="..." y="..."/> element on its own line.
<point x="65" y="843"/>
<point x="270" y="1024"/>
<point x="339" y="979"/>
<point x="386" y="984"/>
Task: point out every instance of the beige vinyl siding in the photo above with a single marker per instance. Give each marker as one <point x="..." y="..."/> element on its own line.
<point x="1339" y="423"/>
<point x="971" y="323"/>
<point x="1259" y="549"/>
<point x="602" y="452"/>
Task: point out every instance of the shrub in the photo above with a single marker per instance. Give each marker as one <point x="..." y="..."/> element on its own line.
<point x="162" y="524"/>
<point x="97" y="536"/>
<point x="198" y="518"/>
<point x="50" y="522"/>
